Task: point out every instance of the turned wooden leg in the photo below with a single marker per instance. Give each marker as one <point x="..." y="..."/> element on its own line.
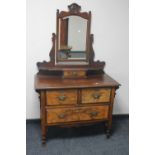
<point x="108" y="133"/>
<point x="109" y="122"/>
<point x="43" y="117"/>
<point x="44" y="132"/>
<point x="108" y="128"/>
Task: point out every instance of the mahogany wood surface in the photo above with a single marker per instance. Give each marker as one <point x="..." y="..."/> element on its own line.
<point x="43" y="116"/>
<point x="53" y="82"/>
<point x="74" y="74"/>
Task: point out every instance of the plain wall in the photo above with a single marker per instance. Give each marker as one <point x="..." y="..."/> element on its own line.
<point x="110" y="26"/>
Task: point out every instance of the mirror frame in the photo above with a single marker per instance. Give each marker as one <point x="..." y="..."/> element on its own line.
<point x="53" y="66"/>
<point x="74" y="10"/>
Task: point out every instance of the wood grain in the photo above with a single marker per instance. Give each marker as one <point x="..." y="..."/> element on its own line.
<point x="61" y="97"/>
<point x="97" y="95"/>
<point x="74" y="74"/>
<point x="55" y="82"/>
<point x="60" y="115"/>
<point x="43" y="117"/>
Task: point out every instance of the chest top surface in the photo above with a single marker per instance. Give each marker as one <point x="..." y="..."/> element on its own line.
<point x="50" y="82"/>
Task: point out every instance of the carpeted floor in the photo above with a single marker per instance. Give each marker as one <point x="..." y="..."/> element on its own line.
<point x="90" y="140"/>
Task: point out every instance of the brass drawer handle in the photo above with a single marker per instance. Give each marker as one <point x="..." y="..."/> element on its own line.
<point x="62" y="98"/>
<point x="94" y="114"/>
<point x="96" y="95"/>
<point x="61" y="116"/>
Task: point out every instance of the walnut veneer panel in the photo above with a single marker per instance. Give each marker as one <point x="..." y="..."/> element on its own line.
<point x="61" y="97"/>
<point x="94" y="113"/>
<point x="60" y="115"/>
<point x="96" y="95"/>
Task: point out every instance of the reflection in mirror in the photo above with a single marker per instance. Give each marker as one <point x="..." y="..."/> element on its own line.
<point x="72" y="38"/>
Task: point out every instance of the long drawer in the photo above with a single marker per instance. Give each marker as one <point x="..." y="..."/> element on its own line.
<point x="59" y="115"/>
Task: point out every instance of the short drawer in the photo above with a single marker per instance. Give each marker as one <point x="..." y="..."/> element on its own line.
<point x="77" y="114"/>
<point x="96" y="95"/>
<point x="61" y="97"/>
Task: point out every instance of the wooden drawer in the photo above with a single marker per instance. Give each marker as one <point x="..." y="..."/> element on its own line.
<point x="74" y="74"/>
<point x="58" y="115"/>
<point x="96" y="95"/>
<point x="61" y="97"/>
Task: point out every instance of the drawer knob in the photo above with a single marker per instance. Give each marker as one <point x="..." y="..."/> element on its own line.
<point x="94" y="113"/>
<point x="61" y="116"/>
<point x="62" y="98"/>
<point x="96" y="95"/>
<point x="74" y="73"/>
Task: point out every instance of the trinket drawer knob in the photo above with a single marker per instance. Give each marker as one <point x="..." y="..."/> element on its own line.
<point x="74" y="73"/>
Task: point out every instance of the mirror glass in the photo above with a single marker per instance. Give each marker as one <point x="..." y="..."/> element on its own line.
<point x="72" y="38"/>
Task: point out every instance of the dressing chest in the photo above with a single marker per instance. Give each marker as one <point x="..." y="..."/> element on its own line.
<point x="73" y="89"/>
